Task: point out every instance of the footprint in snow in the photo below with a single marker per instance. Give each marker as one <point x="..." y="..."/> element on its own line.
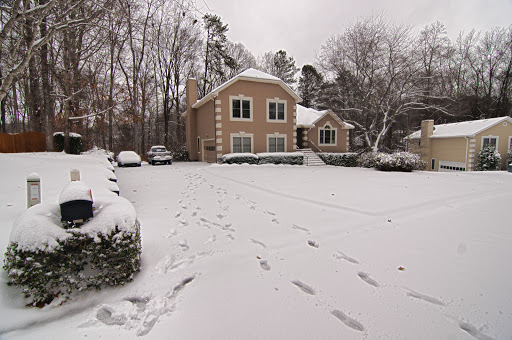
<point x="211" y="239"/>
<point x="300" y="228"/>
<point x="258" y="243"/>
<point x="473" y="331"/>
<point x="313" y="243"/>
<point x="220" y="216"/>
<point x="426" y="298"/>
<point x="367" y="279"/>
<point x="108" y="317"/>
<point x="304" y="287"/>
<point x="184" y="245"/>
<point x="178" y="214"/>
<point x="340" y="255"/>
<point x="348" y="321"/>
<point x="264" y="265"/>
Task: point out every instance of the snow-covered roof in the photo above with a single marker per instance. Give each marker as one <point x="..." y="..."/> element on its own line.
<point x="462" y="129"/>
<point x="307" y="117"/>
<point x="250" y="75"/>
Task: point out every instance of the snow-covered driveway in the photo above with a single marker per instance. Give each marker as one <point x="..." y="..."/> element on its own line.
<point x="280" y="252"/>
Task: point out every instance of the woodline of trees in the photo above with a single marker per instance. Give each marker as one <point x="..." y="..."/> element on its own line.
<point x="114" y="71"/>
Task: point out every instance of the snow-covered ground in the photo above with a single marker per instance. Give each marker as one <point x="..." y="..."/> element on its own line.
<point x="286" y="252"/>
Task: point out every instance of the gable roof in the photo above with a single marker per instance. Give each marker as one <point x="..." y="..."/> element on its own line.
<point x="307" y="118"/>
<point x="249" y="75"/>
<point x="462" y="129"/>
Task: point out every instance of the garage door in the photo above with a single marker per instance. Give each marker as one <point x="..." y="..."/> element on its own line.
<point x="451" y="166"/>
<point x="209" y="153"/>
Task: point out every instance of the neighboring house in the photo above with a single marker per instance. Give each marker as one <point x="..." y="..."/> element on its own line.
<point x="255" y="112"/>
<point x="455" y="147"/>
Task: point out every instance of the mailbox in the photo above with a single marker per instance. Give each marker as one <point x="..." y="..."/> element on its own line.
<point x="75" y="203"/>
<point x="33" y="189"/>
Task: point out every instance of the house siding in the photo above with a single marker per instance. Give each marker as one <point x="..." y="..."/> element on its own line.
<point x="504" y="132"/>
<point x="258" y="127"/>
<point x="205" y="126"/>
<point x="341" y="136"/>
<point x="448" y="150"/>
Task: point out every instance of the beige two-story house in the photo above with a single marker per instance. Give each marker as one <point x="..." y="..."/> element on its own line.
<point x="254" y="112"/>
<point x="455" y="146"/>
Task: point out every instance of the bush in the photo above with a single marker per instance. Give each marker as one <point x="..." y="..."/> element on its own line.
<point x="367" y="159"/>
<point x="240" y="158"/>
<point x="292" y="158"/>
<point x="180" y="155"/>
<point x="105" y="251"/>
<point x="488" y="159"/>
<point x="509" y="157"/>
<point x="398" y="161"/>
<point x="348" y="159"/>
<point x="75" y="142"/>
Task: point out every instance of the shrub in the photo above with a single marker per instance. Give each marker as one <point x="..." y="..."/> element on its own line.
<point x="348" y="159"/>
<point x="367" y="159"/>
<point x="240" y="158"/>
<point x="180" y="155"/>
<point x="292" y="158"/>
<point x="105" y="251"/>
<point x="398" y="161"/>
<point x="488" y="159"/>
<point x="75" y="142"/>
<point x="509" y="157"/>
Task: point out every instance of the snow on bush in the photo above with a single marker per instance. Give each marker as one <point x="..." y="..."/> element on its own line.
<point x="367" y="159"/>
<point x="49" y="262"/>
<point x="291" y="158"/>
<point x="348" y="159"/>
<point x="509" y="157"/>
<point x="240" y="158"/>
<point x="75" y="142"/>
<point x="488" y="159"/>
<point x="398" y="161"/>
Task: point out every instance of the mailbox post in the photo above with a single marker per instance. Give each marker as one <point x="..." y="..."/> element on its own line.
<point x="33" y="189"/>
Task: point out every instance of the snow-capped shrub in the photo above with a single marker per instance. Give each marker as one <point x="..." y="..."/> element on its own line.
<point x="488" y="159"/>
<point x="509" y="157"/>
<point x="48" y="261"/>
<point x="348" y="159"/>
<point x="75" y="142"/>
<point x="398" y="161"/>
<point x="292" y="158"/>
<point x="181" y="155"/>
<point x="367" y="159"/>
<point x="240" y="158"/>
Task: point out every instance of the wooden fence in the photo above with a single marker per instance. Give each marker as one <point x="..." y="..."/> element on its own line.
<point x="23" y="142"/>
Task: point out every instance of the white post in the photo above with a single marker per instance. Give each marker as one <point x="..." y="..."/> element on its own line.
<point x="74" y="174"/>
<point x="33" y="189"/>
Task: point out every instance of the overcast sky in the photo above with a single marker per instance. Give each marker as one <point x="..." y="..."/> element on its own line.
<point x="301" y="27"/>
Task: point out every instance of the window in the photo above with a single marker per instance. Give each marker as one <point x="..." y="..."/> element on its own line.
<point x="198" y="145"/>
<point x="509" y="144"/>
<point x="241" y="143"/>
<point x="276" y="110"/>
<point x="241" y="108"/>
<point x="489" y="141"/>
<point x="276" y="144"/>
<point x="327" y="136"/>
<point x="433" y="164"/>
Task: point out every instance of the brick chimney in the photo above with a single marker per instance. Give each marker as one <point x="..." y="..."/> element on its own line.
<point x="191" y="93"/>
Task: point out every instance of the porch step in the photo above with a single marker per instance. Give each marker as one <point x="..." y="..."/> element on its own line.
<point x="311" y="158"/>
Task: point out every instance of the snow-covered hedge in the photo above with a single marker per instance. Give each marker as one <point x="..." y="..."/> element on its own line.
<point x="367" y="159"/>
<point x="75" y="142"/>
<point x="180" y="155"/>
<point x="398" y="161"/>
<point x="50" y="262"/>
<point x="348" y="159"/>
<point x="240" y="158"/>
<point x="292" y="158"/>
<point x="488" y="159"/>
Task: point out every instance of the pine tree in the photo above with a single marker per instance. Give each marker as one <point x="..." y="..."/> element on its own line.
<point x="284" y="67"/>
<point x="310" y="82"/>
<point x="216" y="56"/>
<point x="488" y="159"/>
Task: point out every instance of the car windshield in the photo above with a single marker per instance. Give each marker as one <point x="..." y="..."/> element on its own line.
<point x="158" y="149"/>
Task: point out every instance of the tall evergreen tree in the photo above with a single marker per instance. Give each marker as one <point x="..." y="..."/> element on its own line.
<point x="215" y="56"/>
<point x="279" y="64"/>
<point x="310" y="82"/>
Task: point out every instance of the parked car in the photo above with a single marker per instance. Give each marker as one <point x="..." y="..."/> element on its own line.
<point x="128" y="158"/>
<point x="159" y="154"/>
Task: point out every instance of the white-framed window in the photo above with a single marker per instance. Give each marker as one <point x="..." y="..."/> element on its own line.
<point x="327" y="135"/>
<point x="490" y="141"/>
<point x="240" y="108"/>
<point x="276" y="143"/>
<point x="276" y="110"/>
<point x="241" y="142"/>
<point x="509" y="143"/>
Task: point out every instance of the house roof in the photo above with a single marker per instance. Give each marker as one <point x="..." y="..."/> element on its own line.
<point x="462" y="129"/>
<point x="250" y="75"/>
<point x="307" y="118"/>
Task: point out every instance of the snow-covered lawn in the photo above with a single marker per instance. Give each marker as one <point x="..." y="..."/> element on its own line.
<point x="286" y="252"/>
